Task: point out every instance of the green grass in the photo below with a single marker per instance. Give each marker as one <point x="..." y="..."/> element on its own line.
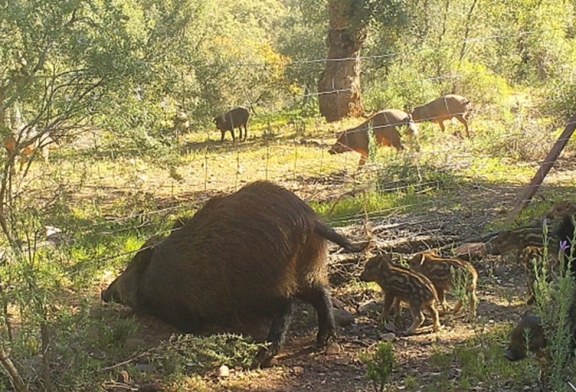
<point x="478" y="361"/>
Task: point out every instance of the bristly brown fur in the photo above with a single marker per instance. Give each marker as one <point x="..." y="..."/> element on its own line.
<point x="245" y="255"/>
<point x="440" y="271"/>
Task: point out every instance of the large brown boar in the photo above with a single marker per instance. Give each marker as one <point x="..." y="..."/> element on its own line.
<point x="402" y="284"/>
<point x="235" y="118"/>
<point x="442" y="272"/>
<point x="444" y="108"/>
<point x="242" y="256"/>
<point x="384" y="125"/>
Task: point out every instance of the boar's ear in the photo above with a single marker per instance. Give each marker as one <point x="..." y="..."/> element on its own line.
<point x="384" y="260"/>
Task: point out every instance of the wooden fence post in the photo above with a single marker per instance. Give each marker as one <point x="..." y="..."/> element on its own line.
<point x="524" y="198"/>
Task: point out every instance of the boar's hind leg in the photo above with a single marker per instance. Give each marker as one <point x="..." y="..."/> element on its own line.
<point x="319" y="297"/>
<point x="245" y="132"/>
<point x="418" y="319"/>
<point x="276" y="335"/>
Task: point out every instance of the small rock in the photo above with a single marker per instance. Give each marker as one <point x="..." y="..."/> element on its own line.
<point x="223" y="371"/>
<point x="145" y="367"/>
<point x="343" y="317"/>
<point x="150" y="388"/>
<point x="298" y="370"/>
<point x="333" y="349"/>
<point x="93" y="332"/>
<point x="133" y="344"/>
<point x="388" y="337"/>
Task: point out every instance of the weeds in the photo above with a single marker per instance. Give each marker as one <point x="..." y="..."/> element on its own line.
<point x="461" y="282"/>
<point x="556" y="305"/>
<point x="379" y="365"/>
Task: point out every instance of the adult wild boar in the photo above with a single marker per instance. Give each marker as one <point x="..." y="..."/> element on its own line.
<point x="235" y="118"/>
<point x="445" y="108"/>
<point x="246" y="255"/>
<point x="384" y="125"/>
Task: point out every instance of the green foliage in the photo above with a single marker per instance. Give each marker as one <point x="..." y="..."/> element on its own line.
<point x="409" y="176"/>
<point x="187" y="354"/>
<point x="305" y="26"/>
<point x="555" y="304"/>
<point x="379" y="364"/>
<point x="560" y="99"/>
<point x="461" y="281"/>
<point x="480" y="84"/>
<point x="399" y="87"/>
<point x="480" y="360"/>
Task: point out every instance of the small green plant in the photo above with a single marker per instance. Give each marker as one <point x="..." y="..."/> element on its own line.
<point x="372" y="144"/>
<point x="379" y="365"/>
<point x="461" y="282"/>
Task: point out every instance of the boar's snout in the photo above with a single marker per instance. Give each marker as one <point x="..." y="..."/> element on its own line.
<point x="338" y="148"/>
<point x="514" y="355"/>
<point x="106" y="295"/>
<point x="110" y="294"/>
<point x="368" y="276"/>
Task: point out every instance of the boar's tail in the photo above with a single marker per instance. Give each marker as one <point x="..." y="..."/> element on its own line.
<point x="331" y="235"/>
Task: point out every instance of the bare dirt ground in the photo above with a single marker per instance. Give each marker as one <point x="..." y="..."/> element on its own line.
<point x="338" y="368"/>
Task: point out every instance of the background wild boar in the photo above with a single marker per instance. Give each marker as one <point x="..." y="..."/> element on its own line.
<point x="384" y="124"/>
<point x="445" y="108"/>
<point x="235" y="118"/>
<point x="248" y="254"/>
<point x="527" y="335"/>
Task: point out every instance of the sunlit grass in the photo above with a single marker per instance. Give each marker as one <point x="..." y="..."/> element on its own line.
<point x="478" y="361"/>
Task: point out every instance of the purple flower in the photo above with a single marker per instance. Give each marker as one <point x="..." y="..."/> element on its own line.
<point x="564" y="245"/>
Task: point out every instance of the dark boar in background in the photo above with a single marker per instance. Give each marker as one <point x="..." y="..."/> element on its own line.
<point x="235" y="118"/>
<point x="248" y="254"/>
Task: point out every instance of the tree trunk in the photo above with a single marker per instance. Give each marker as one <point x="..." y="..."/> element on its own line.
<point x="339" y="84"/>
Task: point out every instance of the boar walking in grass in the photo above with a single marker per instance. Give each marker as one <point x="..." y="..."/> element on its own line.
<point x="402" y="284"/>
<point x="445" y="108"/>
<point x="235" y="118"/>
<point x="384" y="126"/>
<point x="444" y="273"/>
<point x="246" y="255"/>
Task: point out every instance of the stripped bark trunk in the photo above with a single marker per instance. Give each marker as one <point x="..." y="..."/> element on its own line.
<point x="339" y="84"/>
